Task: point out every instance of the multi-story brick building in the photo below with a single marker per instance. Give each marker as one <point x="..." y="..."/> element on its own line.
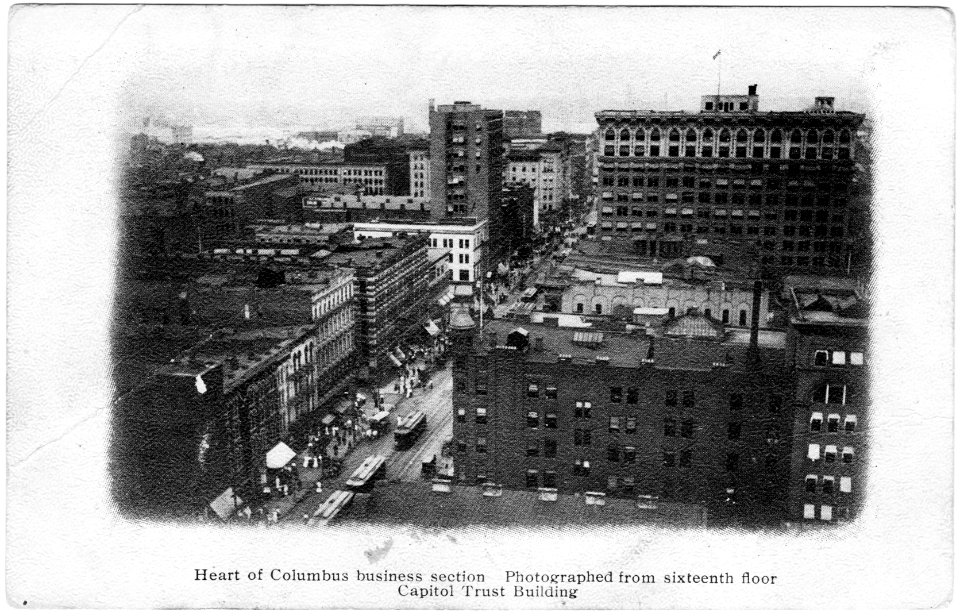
<point x="519" y="213"/>
<point x="695" y="414"/>
<point x="543" y="169"/>
<point x="391" y="282"/>
<point x="827" y="347"/>
<point x="370" y="178"/>
<point x="225" y="211"/>
<point x="420" y="172"/>
<point x="365" y="208"/>
<point x="264" y="366"/>
<point x="780" y="181"/>
<point x="466" y="166"/>
<point x="460" y="244"/>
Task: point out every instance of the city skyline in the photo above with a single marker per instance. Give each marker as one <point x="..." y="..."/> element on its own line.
<point x="237" y="83"/>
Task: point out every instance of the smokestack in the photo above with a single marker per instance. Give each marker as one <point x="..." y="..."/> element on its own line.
<point x="755" y="324"/>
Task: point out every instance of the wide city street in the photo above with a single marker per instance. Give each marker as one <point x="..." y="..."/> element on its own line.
<point x="402" y="465"/>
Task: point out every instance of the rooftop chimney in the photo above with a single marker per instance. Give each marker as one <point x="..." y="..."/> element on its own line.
<point x="752" y="90"/>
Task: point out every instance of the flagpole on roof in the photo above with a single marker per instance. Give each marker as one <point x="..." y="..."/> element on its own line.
<point x="719" y="60"/>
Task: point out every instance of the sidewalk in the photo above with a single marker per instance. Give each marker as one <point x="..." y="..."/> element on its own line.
<point x="338" y="448"/>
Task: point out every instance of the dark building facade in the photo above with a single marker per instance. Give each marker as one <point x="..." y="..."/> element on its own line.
<point x="694" y="415"/>
<point x="781" y="182"/>
<point x="225" y="211"/>
<point x="390" y="153"/>
<point x="827" y="347"/>
<point x="170" y="448"/>
<point x="466" y="166"/>
<point x="391" y="278"/>
<point x="518" y="217"/>
<point x="522" y="123"/>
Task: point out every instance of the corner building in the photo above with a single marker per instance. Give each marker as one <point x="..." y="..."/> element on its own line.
<point x="827" y="347"/>
<point x="696" y="415"/>
<point x="783" y="182"/>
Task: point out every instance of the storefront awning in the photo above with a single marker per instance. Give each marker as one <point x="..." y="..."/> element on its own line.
<point x="328" y="419"/>
<point x="226" y="504"/>
<point x="394" y="360"/>
<point x="432" y="328"/>
<point x="280" y="455"/>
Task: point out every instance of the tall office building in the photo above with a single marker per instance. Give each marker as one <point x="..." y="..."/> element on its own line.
<point x="466" y="166"/>
<point x="781" y="183"/>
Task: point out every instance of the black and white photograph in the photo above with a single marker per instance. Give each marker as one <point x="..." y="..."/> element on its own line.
<point x="486" y="307"/>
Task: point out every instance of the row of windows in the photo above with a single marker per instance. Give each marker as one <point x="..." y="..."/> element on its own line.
<point x="690" y="151"/>
<point x="693" y="181"/>
<point x="827" y="484"/>
<point x="742" y="136"/>
<point x="826" y="512"/>
<point x="824" y="357"/>
<point x="672" y="397"/>
<point x="723" y="198"/>
<point x="721" y="228"/>
<point x="628" y="425"/>
<point x="833" y="423"/>
<point x="819" y="216"/>
<point x="830" y="453"/>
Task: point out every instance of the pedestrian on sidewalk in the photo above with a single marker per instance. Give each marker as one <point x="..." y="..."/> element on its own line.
<point x="319" y="487"/>
<point x="276" y="516"/>
<point x="306" y="518"/>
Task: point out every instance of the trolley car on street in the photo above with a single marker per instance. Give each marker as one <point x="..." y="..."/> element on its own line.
<point x="380" y="423"/>
<point x="331" y="508"/>
<point x="366" y="475"/>
<point x="409" y="429"/>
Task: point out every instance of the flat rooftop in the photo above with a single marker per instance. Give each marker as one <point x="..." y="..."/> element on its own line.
<point x="250" y="350"/>
<point x="630" y="349"/>
<point x="368" y="253"/>
<point x="416" y="503"/>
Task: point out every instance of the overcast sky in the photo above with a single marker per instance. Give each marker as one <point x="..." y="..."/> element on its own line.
<point x="323" y="66"/>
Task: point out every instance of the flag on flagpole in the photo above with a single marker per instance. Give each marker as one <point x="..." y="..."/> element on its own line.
<point x="716" y="54"/>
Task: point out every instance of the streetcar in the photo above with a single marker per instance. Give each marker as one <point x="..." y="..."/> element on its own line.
<point x="331" y="508"/>
<point x="366" y="475"/>
<point x="409" y="429"/>
<point x="380" y="423"/>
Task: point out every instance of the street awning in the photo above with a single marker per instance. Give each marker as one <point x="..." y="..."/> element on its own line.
<point x="226" y="504"/>
<point x="328" y="419"/>
<point x="396" y="362"/>
<point x="280" y="455"/>
<point x="400" y="354"/>
<point x="432" y="328"/>
<point x="380" y="416"/>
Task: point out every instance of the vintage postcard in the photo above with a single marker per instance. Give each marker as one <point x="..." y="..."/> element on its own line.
<point x="433" y="307"/>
